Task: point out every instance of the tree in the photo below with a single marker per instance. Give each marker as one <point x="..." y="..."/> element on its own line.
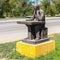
<point x="46" y="6"/>
<point x="57" y="5"/>
<point x="49" y="7"/>
<point x="16" y="7"/>
<point x="25" y="7"/>
<point x="53" y="10"/>
<point x="1" y="8"/>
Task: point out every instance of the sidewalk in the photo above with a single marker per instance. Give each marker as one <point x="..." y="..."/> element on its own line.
<point x="20" y="19"/>
<point x="52" y="17"/>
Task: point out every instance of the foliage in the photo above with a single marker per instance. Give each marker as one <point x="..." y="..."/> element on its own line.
<point x="47" y="7"/>
<point x="51" y="7"/>
<point x="57" y="4"/>
<point x="16" y="7"/>
<point x="24" y="7"/>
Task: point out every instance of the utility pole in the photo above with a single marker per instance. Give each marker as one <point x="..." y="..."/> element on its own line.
<point x="36" y="2"/>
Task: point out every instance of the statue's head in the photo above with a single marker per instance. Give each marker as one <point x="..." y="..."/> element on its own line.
<point x="36" y="7"/>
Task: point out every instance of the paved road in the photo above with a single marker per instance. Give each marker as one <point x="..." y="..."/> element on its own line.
<point x="11" y="31"/>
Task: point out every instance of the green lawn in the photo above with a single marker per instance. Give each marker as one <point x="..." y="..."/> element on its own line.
<point x="7" y="50"/>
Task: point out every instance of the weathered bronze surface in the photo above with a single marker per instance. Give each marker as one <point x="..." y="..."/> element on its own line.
<point x="37" y="32"/>
<point x="31" y="22"/>
<point x="39" y="14"/>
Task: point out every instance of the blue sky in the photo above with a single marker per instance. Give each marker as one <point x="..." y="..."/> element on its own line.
<point x="39" y="1"/>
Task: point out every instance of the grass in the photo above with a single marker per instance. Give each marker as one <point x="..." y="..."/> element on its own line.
<point x="8" y="51"/>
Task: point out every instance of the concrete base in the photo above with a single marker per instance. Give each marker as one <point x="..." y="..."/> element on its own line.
<point x="32" y="51"/>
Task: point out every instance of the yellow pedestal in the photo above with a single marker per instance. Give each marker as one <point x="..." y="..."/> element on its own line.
<point x="37" y="50"/>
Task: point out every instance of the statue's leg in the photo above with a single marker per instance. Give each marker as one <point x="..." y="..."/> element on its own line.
<point x="37" y="32"/>
<point x="31" y="32"/>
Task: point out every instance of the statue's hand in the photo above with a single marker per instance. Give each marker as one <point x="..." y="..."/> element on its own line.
<point x="36" y="16"/>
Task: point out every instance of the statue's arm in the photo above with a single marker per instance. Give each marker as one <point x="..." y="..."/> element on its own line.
<point x="33" y="17"/>
<point x="41" y="16"/>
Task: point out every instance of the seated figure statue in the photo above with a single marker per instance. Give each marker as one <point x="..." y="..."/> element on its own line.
<point x="39" y="15"/>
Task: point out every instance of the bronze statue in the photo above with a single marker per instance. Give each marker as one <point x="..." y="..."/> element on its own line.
<point x="39" y="14"/>
<point x="37" y="32"/>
